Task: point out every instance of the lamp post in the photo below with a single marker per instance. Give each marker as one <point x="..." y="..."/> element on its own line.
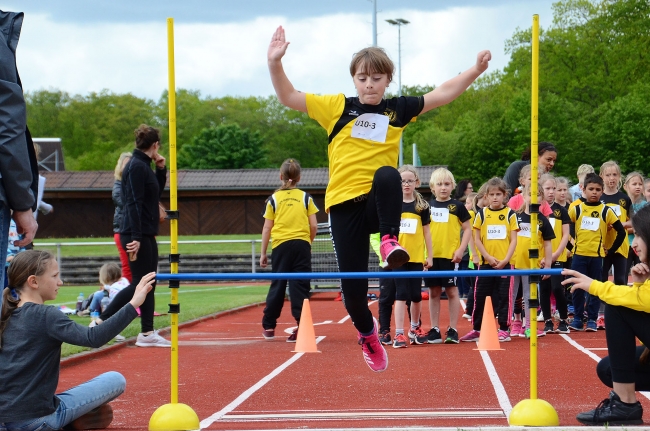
<point x="399" y="22"/>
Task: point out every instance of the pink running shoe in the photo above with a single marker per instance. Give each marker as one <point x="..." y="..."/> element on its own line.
<point x="392" y="253"/>
<point x="473" y="335"/>
<point x="504" y="336"/>
<point x="373" y="352"/>
<point x="516" y="330"/>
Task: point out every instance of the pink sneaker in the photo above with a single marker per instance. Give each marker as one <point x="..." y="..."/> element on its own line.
<point x="516" y="329"/>
<point x="504" y="336"/>
<point x="473" y="335"/>
<point x="373" y="352"/>
<point x="392" y="253"/>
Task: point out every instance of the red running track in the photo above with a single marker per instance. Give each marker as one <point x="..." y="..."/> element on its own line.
<point x="234" y="379"/>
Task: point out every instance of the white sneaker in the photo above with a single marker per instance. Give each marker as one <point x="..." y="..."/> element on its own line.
<point x="152" y="340"/>
<point x="119" y="338"/>
<point x="540" y="318"/>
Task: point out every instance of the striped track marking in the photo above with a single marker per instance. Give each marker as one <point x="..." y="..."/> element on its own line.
<point x="334" y="415"/>
<point x="250" y="391"/>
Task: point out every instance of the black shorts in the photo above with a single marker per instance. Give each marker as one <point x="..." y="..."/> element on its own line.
<point x="409" y="289"/>
<point x="441" y="264"/>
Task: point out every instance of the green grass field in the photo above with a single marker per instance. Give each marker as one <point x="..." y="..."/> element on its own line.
<point x="195" y="300"/>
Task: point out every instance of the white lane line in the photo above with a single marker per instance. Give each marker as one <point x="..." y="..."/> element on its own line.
<point x="365" y="415"/>
<point x="592" y="355"/>
<point x="500" y="391"/>
<point x="348" y="316"/>
<point x="250" y="391"/>
<point x="596" y="348"/>
<point x="290" y="329"/>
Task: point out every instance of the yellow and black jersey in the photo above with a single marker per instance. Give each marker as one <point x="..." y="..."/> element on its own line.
<point x="591" y="221"/>
<point x="447" y="219"/>
<point x="622" y="205"/>
<point x="362" y="138"/>
<point x="495" y="227"/>
<point x="559" y="216"/>
<point x="411" y="235"/>
<point x="544" y="233"/>
<point x="290" y="210"/>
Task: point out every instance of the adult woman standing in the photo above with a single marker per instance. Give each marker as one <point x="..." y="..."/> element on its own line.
<point x="141" y="190"/>
<point x="117" y="216"/>
<point x="547" y="155"/>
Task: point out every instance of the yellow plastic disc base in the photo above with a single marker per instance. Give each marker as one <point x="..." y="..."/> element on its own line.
<point x="534" y="413"/>
<point x="174" y="417"/>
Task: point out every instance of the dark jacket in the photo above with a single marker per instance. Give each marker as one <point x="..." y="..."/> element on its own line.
<point x="18" y="165"/>
<point x="141" y="191"/>
<point x="117" y="202"/>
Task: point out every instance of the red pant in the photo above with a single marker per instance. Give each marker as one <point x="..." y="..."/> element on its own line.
<point x="124" y="258"/>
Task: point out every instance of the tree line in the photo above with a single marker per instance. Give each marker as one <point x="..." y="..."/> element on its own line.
<point x="593" y="93"/>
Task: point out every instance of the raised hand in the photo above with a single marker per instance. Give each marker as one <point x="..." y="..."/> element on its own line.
<point x="483" y="60"/>
<point x="278" y="45"/>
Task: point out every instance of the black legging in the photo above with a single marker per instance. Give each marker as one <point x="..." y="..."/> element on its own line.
<point x="146" y="262"/>
<point x="553" y="285"/>
<point x="351" y="223"/>
<point x="624" y="325"/>
<point x="641" y="371"/>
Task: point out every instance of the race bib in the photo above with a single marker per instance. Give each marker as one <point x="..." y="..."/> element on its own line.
<point x="590" y="223"/>
<point x="552" y="220"/>
<point x="496" y="231"/>
<point x="408" y="225"/>
<point x="524" y="230"/>
<point x="440" y="215"/>
<point x="372" y="127"/>
<point x="617" y="210"/>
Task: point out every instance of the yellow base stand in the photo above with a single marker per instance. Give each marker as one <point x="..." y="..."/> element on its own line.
<point x="174" y="417"/>
<point x="534" y="413"/>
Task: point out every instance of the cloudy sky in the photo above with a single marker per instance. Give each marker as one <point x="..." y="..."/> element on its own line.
<point x="81" y="46"/>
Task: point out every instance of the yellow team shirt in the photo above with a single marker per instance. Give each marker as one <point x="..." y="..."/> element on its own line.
<point x="520" y="258"/>
<point x="636" y="297"/>
<point x="591" y="221"/>
<point x="290" y="210"/>
<point x="411" y="234"/>
<point x="362" y="138"/>
<point x="495" y="227"/>
<point x="558" y="218"/>
<point x="447" y="219"/>
<point x="621" y="204"/>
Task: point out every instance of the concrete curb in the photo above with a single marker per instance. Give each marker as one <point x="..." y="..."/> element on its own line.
<point x="105" y="350"/>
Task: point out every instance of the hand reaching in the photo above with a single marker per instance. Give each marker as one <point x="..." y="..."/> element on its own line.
<point x="142" y="289"/>
<point x="278" y="45"/>
<point x="482" y="60"/>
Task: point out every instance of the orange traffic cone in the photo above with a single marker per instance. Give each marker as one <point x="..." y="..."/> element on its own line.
<point x="306" y="340"/>
<point x="489" y="339"/>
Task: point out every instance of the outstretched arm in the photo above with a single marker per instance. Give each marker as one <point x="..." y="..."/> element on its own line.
<point x="453" y="88"/>
<point x="287" y="95"/>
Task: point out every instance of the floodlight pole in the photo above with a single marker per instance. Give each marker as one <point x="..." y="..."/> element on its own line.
<point x="399" y="22"/>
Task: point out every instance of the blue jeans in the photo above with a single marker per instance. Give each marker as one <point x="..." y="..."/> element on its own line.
<point x="74" y="402"/>
<point x="591" y="267"/>
<point x="5" y="219"/>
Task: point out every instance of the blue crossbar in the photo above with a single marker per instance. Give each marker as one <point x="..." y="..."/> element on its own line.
<point x="346" y="275"/>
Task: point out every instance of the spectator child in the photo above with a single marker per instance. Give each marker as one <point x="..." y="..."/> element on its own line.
<point x="521" y="260"/>
<point x="363" y="194"/>
<point x="415" y="236"/>
<point x="449" y="219"/>
<point x="290" y="223"/>
<point x="479" y="201"/>
<point x="112" y="282"/>
<point x="646" y="189"/>
<point x="517" y="201"/>
<point x="592" y="219"/>
<point x="495" y="236"/>
<point x="575" y="192"/>
<point x="34" y="332"/>
<point x="633" y="185"/>
<point x="615" y="259"/>
<point x="559" y="220"/>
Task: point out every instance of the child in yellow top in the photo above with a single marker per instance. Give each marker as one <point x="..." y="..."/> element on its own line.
<point x="592" y="219"/>
<point x="627" y="313"/>
<point x="520" y="260"/>
<point x="495" y="236"/>
<point x="363" y="194"/>
<point x="415" y="236"/>
<point x="290" y="221"/>
<point x="449" y="218"/>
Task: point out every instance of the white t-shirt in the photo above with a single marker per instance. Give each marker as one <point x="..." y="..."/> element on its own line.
<point x="116" y="287"/>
